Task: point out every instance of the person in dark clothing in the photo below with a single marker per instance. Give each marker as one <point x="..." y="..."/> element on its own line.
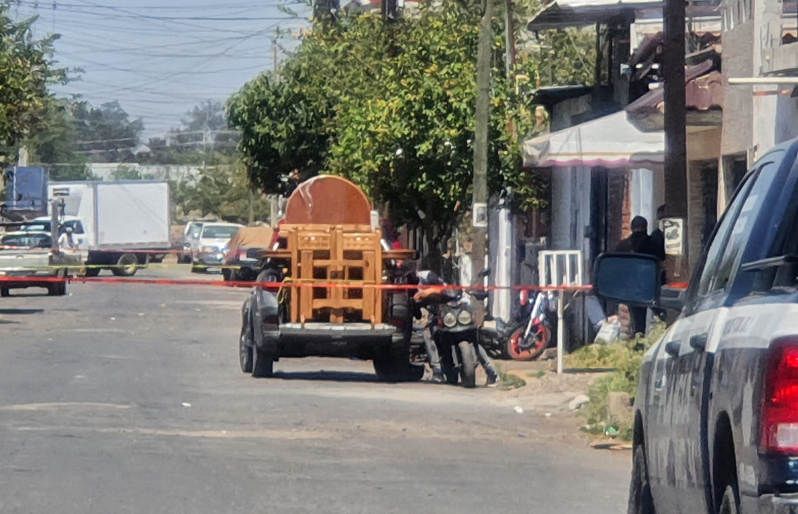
<point x="658" y="247"/>
<point x="658" y="238"/>
<point x="638" y="242"/>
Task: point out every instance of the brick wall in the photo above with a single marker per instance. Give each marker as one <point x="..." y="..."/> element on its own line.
<point x="619" y="207"/>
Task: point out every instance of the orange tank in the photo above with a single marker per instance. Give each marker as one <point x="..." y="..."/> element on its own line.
<point x="328" y="200"/>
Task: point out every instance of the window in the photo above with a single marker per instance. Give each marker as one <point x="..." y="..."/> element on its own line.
<point x="715" y="251"/>
<point x="735" y="228"/>
<point x="75" y="225"/>
<point x="27" y="240"/>
<point x="219" y="232"/>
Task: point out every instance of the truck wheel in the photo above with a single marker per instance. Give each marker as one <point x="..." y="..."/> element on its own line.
<point x="395" y="366"/>
<point x="383" y="367"/>
<point x="126" y="266"/>
<point x="262" y="363"/>
<point x="640" y="501"/>
<point x="226" y="274"/>
<point x="92" y="272"/>
<point x="5" y="292"/>
<point x="468" y="364"/>
<point x="245" y="345"/>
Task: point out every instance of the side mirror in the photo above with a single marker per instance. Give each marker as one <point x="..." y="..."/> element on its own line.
<point x="630" y="278"/>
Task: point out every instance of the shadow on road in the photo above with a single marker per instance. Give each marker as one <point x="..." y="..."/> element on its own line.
<point x="12" y="312"/>
<point x="327" y="376"/>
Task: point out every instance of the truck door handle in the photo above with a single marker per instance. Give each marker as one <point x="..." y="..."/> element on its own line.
<point x="672" y="348"/>
<point x="699" y="342"/>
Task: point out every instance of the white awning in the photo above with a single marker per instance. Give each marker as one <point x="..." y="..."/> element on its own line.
<point x="611" y="141"/>
<point x="570" y="13"/>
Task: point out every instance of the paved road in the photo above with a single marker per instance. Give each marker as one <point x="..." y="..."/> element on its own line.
<point x="128" y="399"/>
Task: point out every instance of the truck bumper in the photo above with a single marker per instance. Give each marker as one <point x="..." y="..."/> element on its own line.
<point x="210" y="259"/>
<point x="328" y="339"/>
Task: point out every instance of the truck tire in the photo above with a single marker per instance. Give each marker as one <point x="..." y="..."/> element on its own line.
<point x="245" y="346"/>
<point x="92" y="272"/>
<point x="227" y="274"/>
<point x="262" y="363"/>
<point x="395" y="366"/>
<point x="640" y="501"/>
<point x="126" y="266"/>
<point x="468" y="364"/>
<point x="5" y="292"/>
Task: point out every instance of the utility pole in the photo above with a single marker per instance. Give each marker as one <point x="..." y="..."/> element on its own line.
<point x="274" y="60"/>
<point x="479" y="202"/>
<point x="509" y="40"/>
<point x="675" y="119"/>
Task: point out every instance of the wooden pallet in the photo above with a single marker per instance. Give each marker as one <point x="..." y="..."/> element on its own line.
<point x="350" y="255"/>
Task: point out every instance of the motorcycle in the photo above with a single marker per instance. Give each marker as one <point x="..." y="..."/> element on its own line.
<point x="529" y="340"/>
<point x="454" y="333"/>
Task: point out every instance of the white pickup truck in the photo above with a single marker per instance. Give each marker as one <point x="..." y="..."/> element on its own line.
<point x="30" y="259"/>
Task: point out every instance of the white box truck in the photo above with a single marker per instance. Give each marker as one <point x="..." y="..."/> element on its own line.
<point x="123" y="223"/>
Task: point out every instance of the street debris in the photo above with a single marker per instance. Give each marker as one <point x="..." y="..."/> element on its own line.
<point x="186" y="404"/>
<point x="519" y="410"/>
<point x="578" y="402"/>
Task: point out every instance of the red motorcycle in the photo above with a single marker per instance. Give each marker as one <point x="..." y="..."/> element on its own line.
<point x="529" y="339"/>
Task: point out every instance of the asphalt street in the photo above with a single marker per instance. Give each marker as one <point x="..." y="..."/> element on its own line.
<point x="125" y="398"/>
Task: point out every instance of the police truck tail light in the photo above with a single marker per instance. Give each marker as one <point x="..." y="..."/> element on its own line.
<point x="779" y="417"/>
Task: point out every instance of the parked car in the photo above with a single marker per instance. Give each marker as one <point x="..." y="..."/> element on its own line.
<point x="30" y="257"/>
<point x="716" y="410"/>
<point x="211" y="245"/>
<point x="191" y="236"/>
<point x="241" y="261"/>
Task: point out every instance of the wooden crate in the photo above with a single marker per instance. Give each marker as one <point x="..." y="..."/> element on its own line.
<point x="347" y="257"/>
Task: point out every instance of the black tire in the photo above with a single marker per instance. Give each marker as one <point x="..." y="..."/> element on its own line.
<point x="92" y="272"/>
<point x="468" y="364"/>
<point x="640" y="500"/>
<point x="61" y="289"/>
<point x="52" y="289"/>
<point x="126" y="266"/>
<point x="245" y="345"/>
<point x="5" y="292"/>
<point x="383" y="367"/>
<point x="395" y="366"/>
<point x="226" y="274"/>
<point x="262" y="363"/>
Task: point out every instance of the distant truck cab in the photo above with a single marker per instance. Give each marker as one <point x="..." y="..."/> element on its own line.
<point x="335" y="299"/>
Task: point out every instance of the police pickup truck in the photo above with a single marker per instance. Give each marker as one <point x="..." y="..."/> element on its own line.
<point x="716" y="411"/>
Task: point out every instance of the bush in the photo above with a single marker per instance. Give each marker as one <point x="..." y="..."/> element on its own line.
<point x="625" y="359"/>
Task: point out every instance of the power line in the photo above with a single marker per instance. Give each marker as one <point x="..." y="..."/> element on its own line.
<point x="193" y="7"/>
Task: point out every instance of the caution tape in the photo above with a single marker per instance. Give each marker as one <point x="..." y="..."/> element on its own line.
<point x="282" y="285"/>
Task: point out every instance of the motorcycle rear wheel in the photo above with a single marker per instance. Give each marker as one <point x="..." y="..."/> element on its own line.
<point x="530" y="349"/>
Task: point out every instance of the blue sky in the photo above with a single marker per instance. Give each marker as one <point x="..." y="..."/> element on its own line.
<point x="160" y="58"/>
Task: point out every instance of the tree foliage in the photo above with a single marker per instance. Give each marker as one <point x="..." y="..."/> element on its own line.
<point x="391" y="107"/>
<point x="54" y="144"/>
<point x="26" y="71"/>
<point x="106" y="133"/>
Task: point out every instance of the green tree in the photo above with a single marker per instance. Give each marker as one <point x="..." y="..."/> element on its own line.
<point x="222" y="191"/>
<point x="54" y="144"/>
<point x="203" y="137"/>
<point x="106" y="133"/>
<point x="27" y="72"/>
<point x="390" y="107"/>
